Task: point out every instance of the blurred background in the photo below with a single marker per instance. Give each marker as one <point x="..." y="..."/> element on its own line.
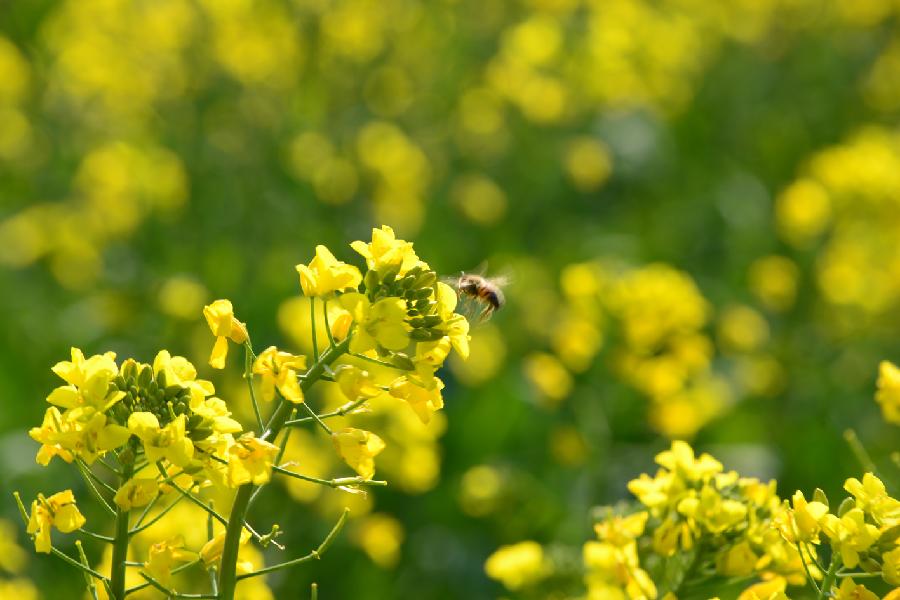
<point x="698" y="203"/>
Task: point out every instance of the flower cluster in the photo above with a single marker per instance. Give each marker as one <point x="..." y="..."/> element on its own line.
<point x="162" y="431"/>
<point x="696" y="527"/>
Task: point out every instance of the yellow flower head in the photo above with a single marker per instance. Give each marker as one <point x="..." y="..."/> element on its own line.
<point x="279" y="370"/>
<point x="850" y="535"/>
<point x="380" y="324"/>
<point x="58" y="510"/>
<point x="517" y="565"/>
<point x="355" y="383"/>
<point x="872" y="497"/>
<point x="358" y="449"/>
<point x="212" y="550"/>
<point x="424" y="401"/>
<point x="137" y="491"/>
<point x="850" y="590"/>
<point x="89" y="382"/>
<point x="250" y="460"/>
<point x="888" y="394"/>
<point x="680" y="460"/>
<point x="163" y="556"/>
<point x="169" y="442"/>
<point x="325" y="274"/>
<point x="48" y="434"/>
<point x="385" y="252"/>
<point x="220" y="317"/>
<point x="890" y="566"/>
<point x="801" y="524"/>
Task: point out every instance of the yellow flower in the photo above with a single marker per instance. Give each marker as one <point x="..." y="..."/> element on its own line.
<point x="212" y="550"/>
<point x="89" y="382"/>
<point x="890" y="567"/>
<point x="220" y="317"/>
<point x="888" y="394"/>
<point x="802" y="523"/>
<point x="380" y="324"/>
<point x="58" y="510"/>
<point x="279" y="370"/>
<point x="83" y="431"/>
<point x="850" y="590"/>
<point x="358" y="449"/>
<point x="680" y="460"/>
<point x="137" y="491"/>
<point x="737" y="561"/>
<point x="424" y="401"/>
<point x="517" y="565"/>
<point x="773" y="589"/>
<point x="871" y="496"/>
<point x="48" y="435"/>
<point x="326" y="274"/>
<point x="163" y="556"/>
<point x="387" y="252"/>
<point x="250" y="460"/>
<point x="850" y="535"/>
<point x="355" y="383"/>
<point x="169" y="442"/>
<point x="621" y="531"/>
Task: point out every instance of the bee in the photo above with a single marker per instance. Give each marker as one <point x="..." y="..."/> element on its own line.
<point x="482" y="290"/>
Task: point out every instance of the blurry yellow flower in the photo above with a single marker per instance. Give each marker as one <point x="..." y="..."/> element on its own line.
<point x="737" y="561"/>
<point x="250" y="460"/>
<point x="890" y="566"/>
<point x="169" y="442"/>
<point x="872" y="497"/>
<point x="358" y="449"/>
<point x="479" y="199"/>
<point x="772" y="589"/>
<point x="386" y="252"/>
<point x="181" y="296"/>
<point x="137" y="491"/>
<point x="355" y="383"/>
<point x="518" y="565"/>
<point x="58" y="510"/>
<point x="424" y="401"/>
<point x="220" y="317"/>
<point x="773" y="279"/>
<point x="380" y="324"/>
<point x="850" y="535"/>
<point x="326" y="274"/>
<point x="802" y="211"/>
<point x="587" y="162"/>
<point x="381" y="537"/>
<point x="212" y="550"/>
<point x="279" y="370"/>
<point x="888" y="394"/>
<point x="163" y="556"/>
<point x="742" y="329"/>
<point x="850" y="590"/>
<point x="549" y="376"/>
<point x="680" y="460"/>
<point x="803" y="522"/>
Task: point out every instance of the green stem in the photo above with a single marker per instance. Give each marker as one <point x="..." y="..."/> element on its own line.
<point x="312" y="325"/>
<point x="120" y="545"/>
<point x="228" y="574"/>
<point x="315" y="554"/>
<point x="340" y="412"/>
<point x="830" y="576"/>
<point x="248" y="375"/>
<point x="806" y="569"/>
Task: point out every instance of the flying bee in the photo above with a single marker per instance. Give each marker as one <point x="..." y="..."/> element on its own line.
<point x="485" y="291"/>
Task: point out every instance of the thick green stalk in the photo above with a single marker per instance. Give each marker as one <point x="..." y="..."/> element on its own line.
<point x="120" y="545"/>
<point x="830" y="576"/>
<point x="228" y="575"/>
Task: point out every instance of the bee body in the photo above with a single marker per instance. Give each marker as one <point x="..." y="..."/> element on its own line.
<point x="482" y="290"/>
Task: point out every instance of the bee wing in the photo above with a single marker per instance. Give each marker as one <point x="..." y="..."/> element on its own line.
<point x="452" y="281"/>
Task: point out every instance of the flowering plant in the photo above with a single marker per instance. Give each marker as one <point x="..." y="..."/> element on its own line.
<point x="147" y="437"/>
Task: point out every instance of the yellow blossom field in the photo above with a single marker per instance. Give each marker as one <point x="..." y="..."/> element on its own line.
<point x="506" y="299"/>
